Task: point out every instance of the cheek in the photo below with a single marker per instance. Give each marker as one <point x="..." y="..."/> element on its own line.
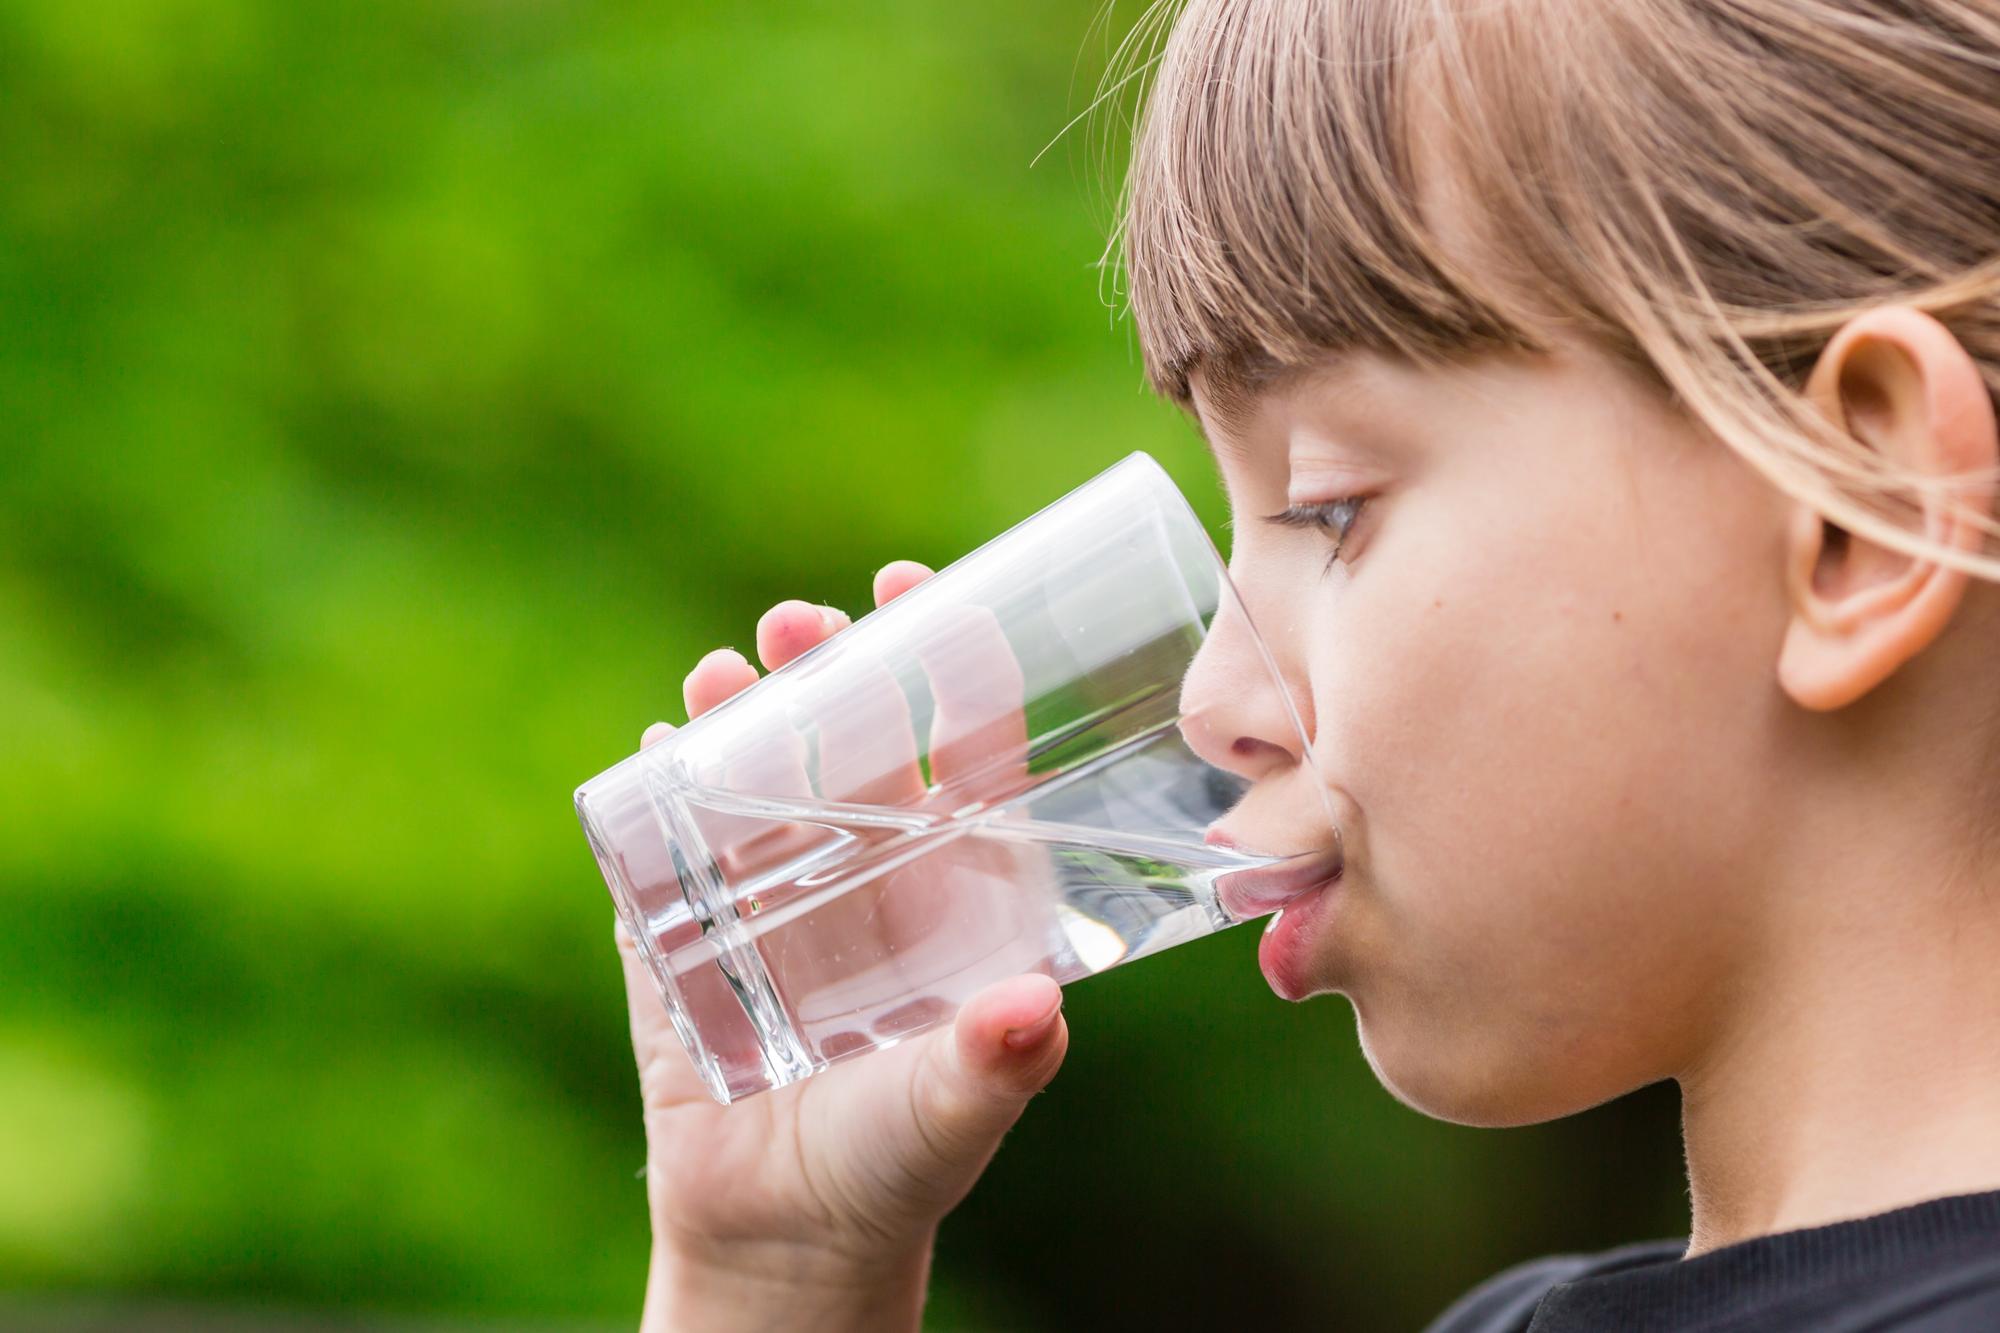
<point x="1547" y="733"/>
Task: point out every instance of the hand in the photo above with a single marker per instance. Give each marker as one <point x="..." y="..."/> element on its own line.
<point x="840" y="1180"/>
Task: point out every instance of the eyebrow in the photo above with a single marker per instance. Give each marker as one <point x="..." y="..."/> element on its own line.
<point x="1232" y="402"/>
<point x="1233" y="399"/>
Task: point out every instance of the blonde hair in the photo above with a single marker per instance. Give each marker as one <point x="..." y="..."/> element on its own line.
<point x="1707" y="189"/>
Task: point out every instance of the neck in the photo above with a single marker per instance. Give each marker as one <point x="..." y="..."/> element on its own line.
<point x="1861" y="1071"/>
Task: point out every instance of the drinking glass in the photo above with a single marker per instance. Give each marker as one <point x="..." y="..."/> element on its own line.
<point x="1000" y="771"/>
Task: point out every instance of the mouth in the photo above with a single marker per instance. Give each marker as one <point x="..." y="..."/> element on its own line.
<point x="1272" y="882"/>
<point x="1292" y="939"/>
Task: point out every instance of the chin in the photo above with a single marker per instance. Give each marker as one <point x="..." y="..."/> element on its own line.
<point x="1471" y="1078"/>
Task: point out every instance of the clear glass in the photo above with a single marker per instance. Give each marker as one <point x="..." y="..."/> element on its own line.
<point x="990" y="775"/>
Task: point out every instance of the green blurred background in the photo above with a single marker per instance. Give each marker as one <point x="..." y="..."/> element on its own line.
<point x="398" y="398"/>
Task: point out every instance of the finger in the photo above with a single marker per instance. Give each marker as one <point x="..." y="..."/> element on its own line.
<point x="868" y="747"/>
<point x="979" y="729"/>
<point x="656" y="733"/>
<point x="940" y="1105"/>
<point x="1005" y="1046"/>
<point x="763" y="763"/>
<point x="792" y="627"/>
<point x="898" y="577"/>
<point x="717" y="676"/>
<point x="1016" y="1013"/>
<point x="868" y="743"/>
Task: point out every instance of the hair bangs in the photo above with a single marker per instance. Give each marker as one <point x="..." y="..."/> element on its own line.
<point x="1271" y="207"/>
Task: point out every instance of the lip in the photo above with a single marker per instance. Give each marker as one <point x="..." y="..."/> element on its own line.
<point x="1285" y="952"/>
<point x="1259" y="890"/>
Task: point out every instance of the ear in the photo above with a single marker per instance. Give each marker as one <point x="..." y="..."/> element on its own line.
<point x="1902" y="385"/>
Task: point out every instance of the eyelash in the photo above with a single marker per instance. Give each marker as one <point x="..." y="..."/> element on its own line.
<point x="1331" y="516"/>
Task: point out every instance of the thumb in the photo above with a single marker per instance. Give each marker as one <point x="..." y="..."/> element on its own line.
<point x="1007" y="1042"/>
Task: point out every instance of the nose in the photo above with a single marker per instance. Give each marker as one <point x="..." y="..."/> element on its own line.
<point x="1235" y="710"/>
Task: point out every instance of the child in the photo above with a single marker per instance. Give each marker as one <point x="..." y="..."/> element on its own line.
<point x="1604" y="390"/>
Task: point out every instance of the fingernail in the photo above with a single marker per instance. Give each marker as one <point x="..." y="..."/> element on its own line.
<point x="1022" y="1038"/>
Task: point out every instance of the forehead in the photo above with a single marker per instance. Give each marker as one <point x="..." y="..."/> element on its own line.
<point x="1292" y="189"/>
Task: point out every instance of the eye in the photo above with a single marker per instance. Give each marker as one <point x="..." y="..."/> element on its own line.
<point x="1334" y="517"/>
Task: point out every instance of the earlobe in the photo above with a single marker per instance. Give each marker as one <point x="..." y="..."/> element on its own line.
<point x="1903" y="386"/>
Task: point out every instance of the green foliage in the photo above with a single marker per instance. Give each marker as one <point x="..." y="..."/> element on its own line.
<point x="399" y="398"/>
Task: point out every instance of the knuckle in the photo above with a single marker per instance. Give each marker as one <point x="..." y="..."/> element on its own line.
<point x="930" y="1118"/>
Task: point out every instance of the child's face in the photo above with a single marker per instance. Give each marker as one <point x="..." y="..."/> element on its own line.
<point x="1540" y="690"/>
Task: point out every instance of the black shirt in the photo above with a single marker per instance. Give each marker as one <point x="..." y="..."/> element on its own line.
<point x="1930" y="1268"/>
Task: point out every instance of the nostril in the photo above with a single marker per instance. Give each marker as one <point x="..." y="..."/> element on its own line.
<point x="1230" y="737"/>
<point x="1253" y="755"/>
